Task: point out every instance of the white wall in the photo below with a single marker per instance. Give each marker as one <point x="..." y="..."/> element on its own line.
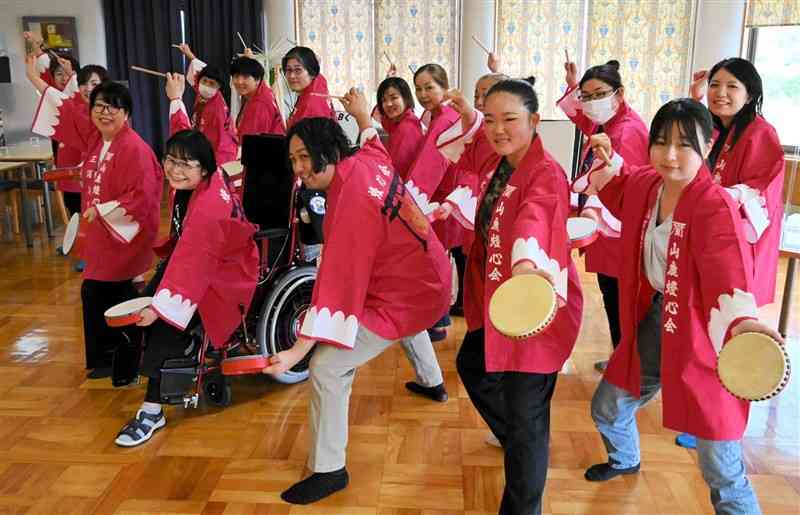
<point x="18" y="100"/>
<point x="477" y="19"/>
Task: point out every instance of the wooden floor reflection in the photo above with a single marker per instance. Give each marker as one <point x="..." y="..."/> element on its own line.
<point x="407" y="456"/>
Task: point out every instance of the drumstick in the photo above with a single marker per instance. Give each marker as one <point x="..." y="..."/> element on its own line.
<point x="242" y="40"/>
<point x="566" y="54"/>
<point x="388" y="58"/>
<point x="478" y="41"/>
<point x="175" y="45"/>
<point x="411" y="69"/>
<point x="257" y="48"/>
<point x="150" y="72"/>
<point x="326" y="96"/>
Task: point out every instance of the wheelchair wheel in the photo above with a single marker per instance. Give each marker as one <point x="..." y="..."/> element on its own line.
<point x="217" y="390"/>
<point x="281" y="315"/>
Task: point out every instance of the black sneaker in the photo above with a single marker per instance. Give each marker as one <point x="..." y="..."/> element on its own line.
<point x="604" y="472"/>
<point x="317" y="486"/>
<point x="436" y="393"/>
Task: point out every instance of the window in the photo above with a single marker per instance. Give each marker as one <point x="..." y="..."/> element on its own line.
<point x="651" y="40"/>
<point x="775" y="52"/>
<point x="350" y="38"/>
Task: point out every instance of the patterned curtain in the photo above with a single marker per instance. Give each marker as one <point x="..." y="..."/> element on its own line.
<point x="413" y="33"/>
<point x="350" y="37"/>
<point x="763" y="13"/>
<point x="341" y="34"/>
<point x="533" y="35"/>
<point x="652" y="41"/>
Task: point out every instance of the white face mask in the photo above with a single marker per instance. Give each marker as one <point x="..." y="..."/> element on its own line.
<point x="207" y="92"/>
<point x="601" y="110"/>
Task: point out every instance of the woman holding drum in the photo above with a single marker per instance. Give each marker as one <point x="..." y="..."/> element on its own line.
<point x="685" y="285"/>
<point x="518" y="212"/>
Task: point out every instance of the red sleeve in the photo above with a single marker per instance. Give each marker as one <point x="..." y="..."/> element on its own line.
<point x="178" y="117"/>
<point x="404" y="142"/>
<point x="190" y="269"/>
<point x="571" y="107"/>
<point x="535" y="239"/>
<point x="59" y="118"/>
<point x="345" y="269"/>
<point x="724" y="261"/>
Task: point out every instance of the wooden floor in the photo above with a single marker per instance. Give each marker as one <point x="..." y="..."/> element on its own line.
<point x="407" y="455"/>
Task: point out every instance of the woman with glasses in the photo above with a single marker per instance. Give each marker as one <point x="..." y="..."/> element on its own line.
<point x="121" y="183"/>
<point x="597" y="104"/>
<point x="210" y="115"/>
<point x="208" y="273"/>
<point x="301" y="68"/>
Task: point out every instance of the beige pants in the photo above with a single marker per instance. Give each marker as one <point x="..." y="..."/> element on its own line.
<point x="332" y="370"/>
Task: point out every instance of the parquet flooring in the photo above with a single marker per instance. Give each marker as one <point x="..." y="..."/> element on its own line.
<point x="407" y="455"/>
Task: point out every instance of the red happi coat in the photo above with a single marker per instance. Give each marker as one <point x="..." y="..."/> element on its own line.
<point x="433" y="174"/>
<point x="210" y="117"/>
<point x="629" y="137"/>
<point x="529" y="223"/>
<point x="382" y="265"/>
<point x="312" y="106"/>
<point x="43" y="67"/>
<point x="707" y="285"/>
<point x="405" y="139"/>
<point x="260" y="114"/>
<point x="752" y="172"/>
<point x="213" y="268"/>
<point x="68" y="156"/>
<point x="125" y="188"/>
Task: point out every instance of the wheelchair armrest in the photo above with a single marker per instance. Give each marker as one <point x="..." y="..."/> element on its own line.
<point x="266" y="234"/>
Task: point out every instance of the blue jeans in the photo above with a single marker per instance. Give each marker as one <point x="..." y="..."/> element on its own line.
<point x="614" y="414"/>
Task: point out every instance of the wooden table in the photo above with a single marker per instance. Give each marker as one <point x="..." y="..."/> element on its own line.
<point x="37" y="155"/>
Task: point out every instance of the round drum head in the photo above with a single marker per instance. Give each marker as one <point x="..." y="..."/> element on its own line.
<point x="523" y="306"/>
<point x="582" y="231"/>
<point x="70" y="233"/>
<point x="126" y="313"/>
<point x="233" y="168"/>
<point x="244" y="365"/>
<point x="753" y="366"/>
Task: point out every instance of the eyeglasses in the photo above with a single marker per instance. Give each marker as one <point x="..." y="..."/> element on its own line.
<point x="180" y="165"/>
<point x="105" y="108"/>
<point x="596" y="95"/>
<point x="293" y="71"/>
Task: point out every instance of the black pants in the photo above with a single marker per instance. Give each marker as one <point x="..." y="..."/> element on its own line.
<point x="461" y="266"/>
<point x="516" y="406"/>
<point x="100" y="340"/>
<point x="163" y="342"/>
<point x="609" y="287"/>
<point x="72" y="201"/>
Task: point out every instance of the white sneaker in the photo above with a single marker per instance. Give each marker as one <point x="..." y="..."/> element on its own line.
<point x="492" y="440"/>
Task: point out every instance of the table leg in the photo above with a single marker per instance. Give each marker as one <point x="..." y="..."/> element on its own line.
<point x="26" y="222"/>
<point x="48" y="212"/>
<point x="786" y="304"/>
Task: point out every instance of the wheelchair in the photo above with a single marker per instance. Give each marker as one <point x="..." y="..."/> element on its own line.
<point x="289" y="237"/>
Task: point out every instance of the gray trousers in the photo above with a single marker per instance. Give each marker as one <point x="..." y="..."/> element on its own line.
<point x="332" y="371"/>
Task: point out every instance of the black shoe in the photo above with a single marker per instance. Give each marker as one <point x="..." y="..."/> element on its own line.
<point x="601" y="366"/>
<point x="604" y="472"/>
<point x="437" y="334"/>
<point x="99" y="373"/>
<point x="317" y="486"/>
<point x="436" y="393"/>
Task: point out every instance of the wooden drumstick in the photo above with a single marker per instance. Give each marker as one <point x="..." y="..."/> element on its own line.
<point x="149" y="72"/>
<point x="323" y="95"/>
<point x="480" y="44"/>
<point x="566" y="54"/>
<point x="388" y="58"/>
<point x="242" y="40"/>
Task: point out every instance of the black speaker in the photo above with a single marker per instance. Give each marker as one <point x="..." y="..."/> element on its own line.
<point x="268" y="180"/>
<point x="5" y="69"/>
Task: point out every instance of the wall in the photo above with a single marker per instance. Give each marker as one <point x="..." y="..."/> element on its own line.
<point x="18" y="99"/>
<point x="719" y="32"/>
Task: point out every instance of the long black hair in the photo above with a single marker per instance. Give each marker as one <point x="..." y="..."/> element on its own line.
<point x="689" y="114"/>
<point x="324" y="140"/>
<point x="746" y="73"/>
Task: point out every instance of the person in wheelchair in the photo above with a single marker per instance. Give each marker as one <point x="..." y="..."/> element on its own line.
<point x="208" y="273"/>
<point x="383" y="277"/>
